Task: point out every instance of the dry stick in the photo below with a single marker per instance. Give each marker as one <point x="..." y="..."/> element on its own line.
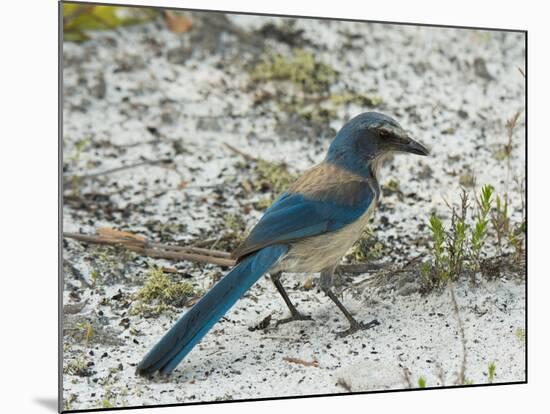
<point x="292" y="360"/>
<point x="192" y="249"/>
<point x="462" y="372"/>
<point x="358" y="268"/>
<point x="246" y="156"/>
<point x="344" y="384"/>
<point x="361" y="268"/>
<point x="90" y="238"/>
<point x="163" y="254"/>
<point x="206" y="242"/>
<point x="407" y="377"/>
<point x="159" y="250"/>
<point x="124" y="167"/>
<point x="241" y="153"/>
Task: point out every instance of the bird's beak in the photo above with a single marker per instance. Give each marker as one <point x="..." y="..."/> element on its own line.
<point x="414" y="147"/>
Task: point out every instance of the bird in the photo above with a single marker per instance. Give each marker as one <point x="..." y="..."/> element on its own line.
<point x="308" y="228"/>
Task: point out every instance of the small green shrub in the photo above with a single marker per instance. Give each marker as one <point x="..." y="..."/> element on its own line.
<point x="520" y="335"/>
<point x="491" y="369"/>
<point x="479" y="233"/>
<point x="462" y="243"/>
<point x="421" y="382"/>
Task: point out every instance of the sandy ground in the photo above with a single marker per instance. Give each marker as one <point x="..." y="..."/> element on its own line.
<point x="144" y="93"/>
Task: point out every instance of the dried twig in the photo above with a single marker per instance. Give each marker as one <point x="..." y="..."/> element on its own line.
<point x="159" y="250"/>
<point x="440" y="374"/>
<point x="241" y="153"/>
<point x="344" y="384"/>
<point x="407" y="377"/>
<point x="123" y="168"/>
<point x="358" y="268"/>
<point x="313" y="363"/>
<point x="462" y="372"/>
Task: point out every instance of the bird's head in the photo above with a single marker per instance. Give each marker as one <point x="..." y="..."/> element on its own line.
<point x="368" y="137"/>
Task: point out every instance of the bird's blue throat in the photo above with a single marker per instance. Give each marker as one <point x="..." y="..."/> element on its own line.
<point x="352" y="151"/>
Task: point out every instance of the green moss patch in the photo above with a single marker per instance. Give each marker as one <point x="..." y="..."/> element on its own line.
<point x="160" y="292"/>
<point x="300" y="87"/>
<point x="273" y="178"/>
<point x="301" y="69"/>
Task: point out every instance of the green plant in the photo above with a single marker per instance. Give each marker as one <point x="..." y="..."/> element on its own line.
<point x="516" y="238"/>
<point x="79" y="146"/>
<point x="68" y="402"/>
<point x="78" y="18"/>
<point x="441" y="259"/>
<point x="520" y="335"/>
<point x="159" y="293"/>
<point x="270" y="177"/>
<point x="106" y="404"/>
<point x="301" y="86"/>
<point x="94" y="274"/>
<point x="500" y="220"/>
<point x="491" y="372"/>
<point x="233" y="222"/>
<point x="457" y="236"/>
<point x="479" y="233"/>
<point x="159" y="287"/>
<point x="81" y="331"/>
<point x="510" y="127"/>
<point x="421" y="382"/>
<point x="86" y="329"/>
<point x="448" y="246"/>
<point x="301" y="69"/>
<point x="362" y="100"/>
<point x="512" y="235"/>
<point x="462" y="243"/>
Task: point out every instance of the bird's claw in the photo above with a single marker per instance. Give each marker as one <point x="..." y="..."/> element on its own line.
<point x="357" y="326"/>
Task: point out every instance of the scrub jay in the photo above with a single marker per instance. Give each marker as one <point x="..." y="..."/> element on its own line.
<point x="307" y="229"/>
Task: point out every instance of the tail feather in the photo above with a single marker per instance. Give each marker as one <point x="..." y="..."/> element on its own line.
<point x="194" y="324"/>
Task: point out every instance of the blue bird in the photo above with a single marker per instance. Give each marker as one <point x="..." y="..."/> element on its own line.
<point x="307" y="229"/>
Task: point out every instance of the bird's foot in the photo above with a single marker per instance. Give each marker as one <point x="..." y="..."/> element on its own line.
<point x="357" y="326"/>
<point x="294" y="317"/>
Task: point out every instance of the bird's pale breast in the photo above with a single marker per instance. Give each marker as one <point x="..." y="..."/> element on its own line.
<point x="319" y="252"/>
<point x="314" y="254"/>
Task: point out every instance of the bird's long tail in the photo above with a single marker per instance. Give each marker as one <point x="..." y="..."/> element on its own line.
<point x="194" y="324"/>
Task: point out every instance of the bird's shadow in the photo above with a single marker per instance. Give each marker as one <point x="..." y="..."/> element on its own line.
<point x="49" y="403"/>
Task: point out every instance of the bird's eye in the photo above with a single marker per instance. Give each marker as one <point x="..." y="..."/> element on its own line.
<point x="383" y="133"/>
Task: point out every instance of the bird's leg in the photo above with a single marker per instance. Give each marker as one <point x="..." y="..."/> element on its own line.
<point x="326" y="283"/>
<point x="294" y="314"/>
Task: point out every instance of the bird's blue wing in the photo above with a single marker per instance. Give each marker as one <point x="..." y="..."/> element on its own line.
<point x="295" y="216"/>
